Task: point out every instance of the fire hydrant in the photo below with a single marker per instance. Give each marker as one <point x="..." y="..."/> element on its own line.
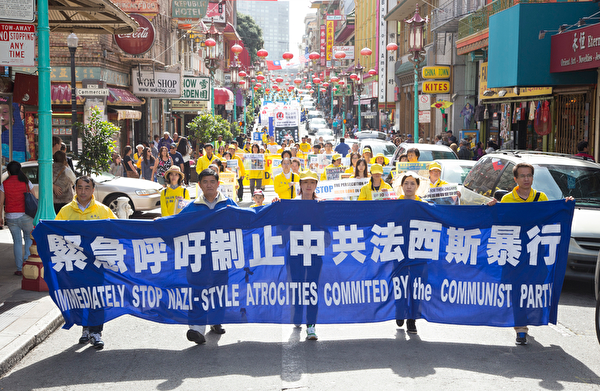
<point x="123" y="208"/>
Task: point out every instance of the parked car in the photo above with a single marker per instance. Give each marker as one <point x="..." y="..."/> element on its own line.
<point x="315" y="114"/>
<point x="327" y="135"/>
<point x="455" y="170"/>
<point x="429" y="152"/>
<point x="558" y="176"/>
<point x="378" y="146"/>
<point x="315" y="124"/>
<point x="143" y="195"/>
<point x="371" y="134"/>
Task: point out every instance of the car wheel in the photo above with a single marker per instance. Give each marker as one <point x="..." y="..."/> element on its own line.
<point x="111" y="202"/>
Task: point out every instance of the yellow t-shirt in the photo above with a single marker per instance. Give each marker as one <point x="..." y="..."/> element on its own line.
<point x="515" y="197"/>
<point x="366" y="192"/>
<point x="417" y="198"/>
<point x="438" y="183"/>
<point x="169" y="197"/>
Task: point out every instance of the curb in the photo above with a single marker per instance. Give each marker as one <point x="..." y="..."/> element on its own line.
<point x="35" y="329"/>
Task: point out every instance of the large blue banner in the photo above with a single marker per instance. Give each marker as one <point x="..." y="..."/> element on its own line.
<point x="314" y="262"/>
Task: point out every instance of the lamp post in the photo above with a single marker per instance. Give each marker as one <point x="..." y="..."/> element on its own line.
<point x="72" y="42"/>
<point x="343" y="82"/>
<point x="235" y="78"/>
<point x="415" y="46"/>
<point x="359" y="85"/>
<point x="212" y="59"/>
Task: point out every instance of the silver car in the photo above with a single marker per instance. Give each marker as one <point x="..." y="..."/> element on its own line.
<point x="143" y="195"/>
<point x="315" y="124"/>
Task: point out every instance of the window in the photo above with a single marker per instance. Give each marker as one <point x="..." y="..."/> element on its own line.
<point x="484" y="175"/>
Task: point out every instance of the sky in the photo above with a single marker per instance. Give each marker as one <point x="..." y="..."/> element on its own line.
<point x="298" y="10"/>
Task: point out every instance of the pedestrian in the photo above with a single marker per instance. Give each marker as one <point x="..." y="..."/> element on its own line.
<point x="286" y="182"/>
<point x="354" y="157"/>
<point x="367" y="154"/>
<point x="342" y="148"/>
<point x="210" y="199"/>
<point x="410" y="184"/>
<point x="353" y="149"/>
<point x="255" y="176"/>
<point x="162" y="165"/>
<point x="183" y="147"/>
<point x="523" y="192"/>
<point x="336" y="161"/>
<point x="296" y="165"/>
<point x="147" y="164"/>
<point x="240" y="172"/>
<point x="454" y="148"/>
<point x="116" y="165"/>
<point x="128" y="163"/>
<point x="464" y="152"/>
<point x="258" y="197"/>
<point x="165" y="141"/>
<point x="206" y="159"/>
<point x="174" y="192"/>
<point x="582" y="150"/>
<point x="12" y="201"/>
<point x="413" y="155"/>
<point x="219" y="143"/>
<point x="362" y="170"/>
<point x="375" y="184"/>
<point x="176" y="157"/>
<point x="451" y="138"/>
<point x="479" y="151"/>
<point x="63" y="180"/>
<point x="85" y="207"/>
<point x="137" y="156"/>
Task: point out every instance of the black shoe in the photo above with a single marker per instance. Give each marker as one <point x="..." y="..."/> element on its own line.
<point x="195" y="336"/>
<point x="399" y="322"/>
<point x="521" y="339"/>
<point x="85" y="336"/>
<point x="411" y="327"/>
<point x="217" y="329"/>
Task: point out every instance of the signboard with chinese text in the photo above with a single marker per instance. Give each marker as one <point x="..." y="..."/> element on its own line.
<point x="349" y="50"/>
<point x="575" y="50"/>
<point x="196" y="88"/>
<point x="156" y="84"/>
<point x="330" y="34"/>
<point x="523" y="91"/>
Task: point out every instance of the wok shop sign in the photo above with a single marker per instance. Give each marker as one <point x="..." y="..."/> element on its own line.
<point x="156" y="84"/>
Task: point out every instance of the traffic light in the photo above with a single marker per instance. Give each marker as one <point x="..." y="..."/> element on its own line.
<point x="241" y="124"/>
<point x="344" y="122"/>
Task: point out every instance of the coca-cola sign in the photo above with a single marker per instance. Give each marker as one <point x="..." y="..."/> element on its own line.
<point x="140" y="41"/>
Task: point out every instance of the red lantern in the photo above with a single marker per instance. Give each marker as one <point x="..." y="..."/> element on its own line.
<point x="262" y="53"/>
<point x="341" y="82"/>
<point x="236" y="49"/>
<point x="242" y="74"/>
<point x="308" y="85"/>
<point x="325" y="84"/>
<point x="334" y="89"/>
<point x="210" y="42"/>
<point x="255" y="88"/>
<point x="372" y="72"/>
<point x="334" y="79"/>
<point x="291" y="88"/>
<point x="323" y="90"/>
<point x="279" y="79"/>
<point x="340" y="55"/>
<point x="297" y="81"/>
<point x="314" y="56"/>
<point x="267" y="89"/>
<point x="366" y="51"/>
<point x="253" y="81"/>
<point x="391" y="47"/>
<point x="316" y="80"/>
<point x="354" y="76"/>
<point x="288" y="56"/>
<point x="258" y="85"/>
<point x="242" y="82"/>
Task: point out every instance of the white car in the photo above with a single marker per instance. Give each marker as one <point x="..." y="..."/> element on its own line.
<point x="327" y="135"/>
<point x="143" y="195"/>
<point x="315" y="124"/>
<point x="455" y="170"/>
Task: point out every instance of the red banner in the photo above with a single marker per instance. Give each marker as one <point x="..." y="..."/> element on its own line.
<point x="323" y="44"/>
<point x="576" y="50"/>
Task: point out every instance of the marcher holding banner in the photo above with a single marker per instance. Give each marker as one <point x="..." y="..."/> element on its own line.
<point x="376" y="184"/>
<point x="241" y="170"/>
<point x="85" y="207"/>
<point x="173" y="193"/>
<point x="211" y="199"/>
<point x="353" y="160"/>
<point x="285" y="183"/>
<point x="255" y="164"/>
<point x="335" y="168"/>
<point x="435" y="172"/>
<point x="367" y="154"/>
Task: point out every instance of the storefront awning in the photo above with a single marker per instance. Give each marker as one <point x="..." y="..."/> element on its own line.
<point x="89" y="17"/>
<point x="60" y="94"/>
<point x="230" y="33"/>
<point x="345" y="33"/>
<point x="122" y="97"/>
<point x="129" y="114"/>
<point x="222" y="96"/>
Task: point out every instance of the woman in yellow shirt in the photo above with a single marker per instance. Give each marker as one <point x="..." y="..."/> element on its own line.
<point x="255" y="176"/>
<point x="410" y="183"/>
<point x="170" y="196"/>
<point x="375" y="184"/>
<point x="380" y="159"/>
<point x="353" y="160"/>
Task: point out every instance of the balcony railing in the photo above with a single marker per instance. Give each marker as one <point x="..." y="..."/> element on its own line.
<point x="446" y="15"/>
<point x="480" y="19"/>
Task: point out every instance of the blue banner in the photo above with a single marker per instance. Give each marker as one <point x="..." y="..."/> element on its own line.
<point x="314" y="262"/>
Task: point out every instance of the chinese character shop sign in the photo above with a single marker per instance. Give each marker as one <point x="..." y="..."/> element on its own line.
<point x="576" y="50"/>
<point x="17" y="45"/>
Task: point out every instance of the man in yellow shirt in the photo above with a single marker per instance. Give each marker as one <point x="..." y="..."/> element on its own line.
<point x="205" y="160"/>
<point x="85" y="207"/>
<point x="336" y="161"/>
<point x="305" y="146"/>
<point x="285" y="183"/>
<point x="435" y="172"/>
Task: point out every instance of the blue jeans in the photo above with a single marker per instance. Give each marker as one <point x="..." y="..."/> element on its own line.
<point x="24" y="224"/>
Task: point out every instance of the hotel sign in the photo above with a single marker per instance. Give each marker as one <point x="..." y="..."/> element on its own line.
<point x="576" y="50"/>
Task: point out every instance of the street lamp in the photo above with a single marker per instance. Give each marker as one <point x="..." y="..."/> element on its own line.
<point x="72" y="42"/>
<point x="235" y="78"/>
<point x="415" y="46"/>
<point x="359" y="85"/>
<point x="212" y="59"/>
<point x="343" y="82"/>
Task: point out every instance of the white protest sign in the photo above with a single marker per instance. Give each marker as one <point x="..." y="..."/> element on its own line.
<point x="343" y="189"/>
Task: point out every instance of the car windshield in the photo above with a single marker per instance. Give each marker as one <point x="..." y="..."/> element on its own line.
<point x="325" y="132"/>
<point x="385" y="148"/>
<point x="428" y="156"/>
<point x="455" y="173"/>
<point x="560" y="181"/>
<point x="318" y="122"/>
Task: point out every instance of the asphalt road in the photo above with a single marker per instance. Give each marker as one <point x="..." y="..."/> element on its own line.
<point x="141" y="355"/>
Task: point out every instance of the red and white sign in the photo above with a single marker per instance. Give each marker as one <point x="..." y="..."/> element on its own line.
<point x="424" y="116"/>
<point x="17" y="45"/>
<point x="424" y="102"/>
<point x="141" y="6"/>
<point x="140" y="41"/>
<point x="576" y="50"/>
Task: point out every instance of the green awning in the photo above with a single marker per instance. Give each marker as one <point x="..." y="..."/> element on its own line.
<point x="409" y="67"/>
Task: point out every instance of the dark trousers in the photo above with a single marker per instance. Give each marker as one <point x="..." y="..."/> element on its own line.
<point x="240" y="191"/>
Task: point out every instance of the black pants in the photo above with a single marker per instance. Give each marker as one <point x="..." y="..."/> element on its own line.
<point x="186" y="172"/>
<point x="240" y="191"/>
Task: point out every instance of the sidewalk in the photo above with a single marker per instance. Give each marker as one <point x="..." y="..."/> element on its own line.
<point x="26" y="317"/>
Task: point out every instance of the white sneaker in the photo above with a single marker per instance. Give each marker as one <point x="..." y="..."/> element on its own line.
<point x="96" y="341"/>
<point x="85" y="336"/>
<point x="310" y="332"/>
